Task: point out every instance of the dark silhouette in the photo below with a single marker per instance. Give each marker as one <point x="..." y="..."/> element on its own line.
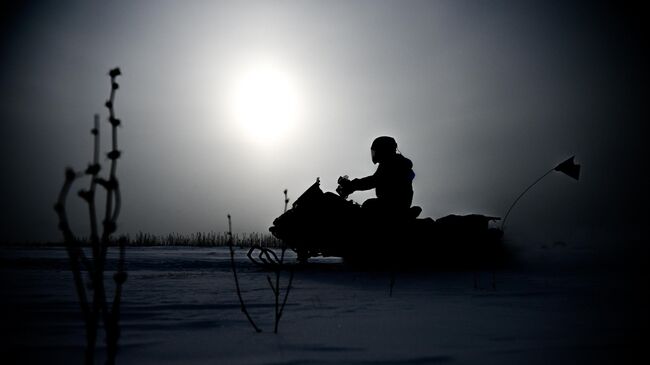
<point x="568" y="167"/>
<point x="326" y="224"/>
<point x="392" y="181"/>
<point x="267" y="259"/>
<point x="95" y="308"/>
<point x="234" y="272"/>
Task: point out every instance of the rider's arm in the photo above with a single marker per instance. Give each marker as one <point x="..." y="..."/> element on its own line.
<point x="365" y="183"/>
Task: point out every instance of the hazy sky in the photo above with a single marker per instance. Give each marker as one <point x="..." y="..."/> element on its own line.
<point x="226" y="104"/>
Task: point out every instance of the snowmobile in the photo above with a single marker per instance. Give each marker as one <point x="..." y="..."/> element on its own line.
<point x="328" y="224"/>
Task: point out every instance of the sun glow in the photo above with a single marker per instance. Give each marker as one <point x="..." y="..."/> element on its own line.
<point x="266" y="104"/>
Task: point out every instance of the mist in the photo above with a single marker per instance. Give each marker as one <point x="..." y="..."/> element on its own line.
<point x="482" y="97"/>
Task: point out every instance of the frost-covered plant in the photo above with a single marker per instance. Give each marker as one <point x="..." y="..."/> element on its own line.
<point x="95" y="308"/>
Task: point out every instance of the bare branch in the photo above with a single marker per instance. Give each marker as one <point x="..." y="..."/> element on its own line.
<point x="98" y="308"/>
<point x="234" y="272"/>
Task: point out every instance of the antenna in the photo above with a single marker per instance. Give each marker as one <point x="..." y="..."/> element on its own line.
<point x="567" y="166"/>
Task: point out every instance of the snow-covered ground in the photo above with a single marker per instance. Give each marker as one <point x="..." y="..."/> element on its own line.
<point x="180" y="307"/>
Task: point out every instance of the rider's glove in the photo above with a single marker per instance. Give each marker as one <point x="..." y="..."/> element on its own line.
<point x="345" y="187"/>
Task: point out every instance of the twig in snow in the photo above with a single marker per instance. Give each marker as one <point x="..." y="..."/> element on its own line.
<point x="234" y="272"/>
<point x="98" y="308"/>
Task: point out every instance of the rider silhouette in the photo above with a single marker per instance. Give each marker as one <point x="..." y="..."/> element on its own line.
<point x="392" y="181"/>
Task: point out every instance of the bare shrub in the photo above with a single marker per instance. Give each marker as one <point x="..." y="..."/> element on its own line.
<point x="96" y="310"/>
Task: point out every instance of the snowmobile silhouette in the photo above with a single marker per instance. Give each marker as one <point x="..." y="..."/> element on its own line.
<point x="386" y="229"/>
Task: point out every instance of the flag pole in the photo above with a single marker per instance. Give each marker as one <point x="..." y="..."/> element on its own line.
<point x="503" y="222"/>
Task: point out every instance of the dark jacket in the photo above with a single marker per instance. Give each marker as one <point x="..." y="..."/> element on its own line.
<point x="393" y="182"/>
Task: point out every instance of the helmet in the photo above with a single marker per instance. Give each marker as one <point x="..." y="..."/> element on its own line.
<point x="382" y="147"/>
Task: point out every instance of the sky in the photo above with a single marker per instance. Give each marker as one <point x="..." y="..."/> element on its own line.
<point x="226" y="104"/>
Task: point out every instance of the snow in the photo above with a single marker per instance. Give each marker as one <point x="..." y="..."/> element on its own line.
<point x="180" y="307"/>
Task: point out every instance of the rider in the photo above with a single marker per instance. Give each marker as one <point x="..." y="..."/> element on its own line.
<point x="392" y="181"/>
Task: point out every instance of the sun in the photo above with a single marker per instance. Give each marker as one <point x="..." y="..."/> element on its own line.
<point x="266" y="104"/>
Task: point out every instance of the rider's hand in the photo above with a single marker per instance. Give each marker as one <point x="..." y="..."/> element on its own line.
<point x="345" y="187"/>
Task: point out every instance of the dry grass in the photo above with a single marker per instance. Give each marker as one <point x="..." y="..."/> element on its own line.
<point x="203" y="239"/>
